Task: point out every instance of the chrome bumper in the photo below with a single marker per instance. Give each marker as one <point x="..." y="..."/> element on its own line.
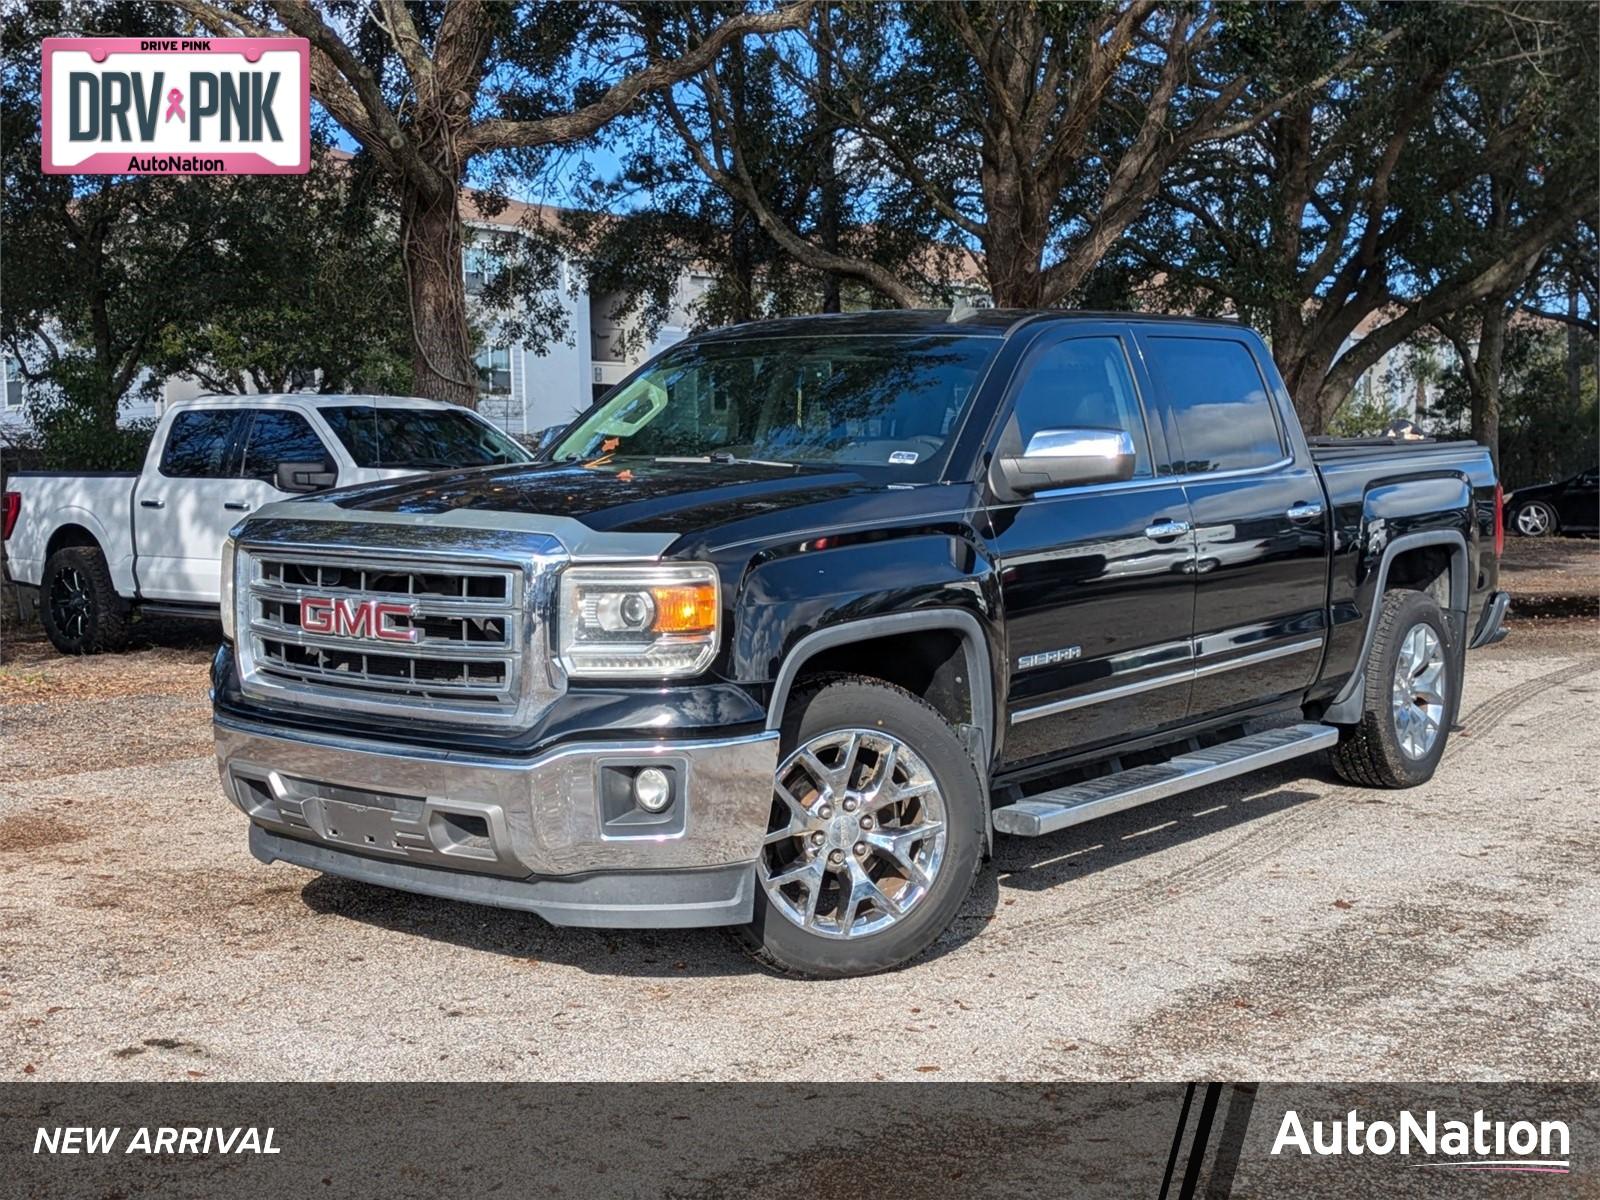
<point x="396" y="815"/>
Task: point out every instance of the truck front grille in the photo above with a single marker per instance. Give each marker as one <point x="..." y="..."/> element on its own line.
<point x="446" y="640"/>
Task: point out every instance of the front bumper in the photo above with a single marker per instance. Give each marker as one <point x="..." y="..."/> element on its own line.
<point x="544" y="834"/>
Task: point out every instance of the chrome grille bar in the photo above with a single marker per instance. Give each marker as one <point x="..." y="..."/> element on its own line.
<point x="473" y="659"/>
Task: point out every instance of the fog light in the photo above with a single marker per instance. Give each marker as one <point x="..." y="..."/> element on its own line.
<point x="652" y="790"/>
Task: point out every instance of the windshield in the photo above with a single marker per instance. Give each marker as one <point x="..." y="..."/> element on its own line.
<point x="420" y="438"/>
<point x="863" y="400"/>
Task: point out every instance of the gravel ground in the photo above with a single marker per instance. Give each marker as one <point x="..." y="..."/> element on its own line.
<point x="1282" y="926"/>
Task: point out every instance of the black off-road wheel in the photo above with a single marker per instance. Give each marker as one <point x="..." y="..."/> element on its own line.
<point x="1411" y="691"/>
<point x="79" y="606"/>
<point x="876" y="832"/>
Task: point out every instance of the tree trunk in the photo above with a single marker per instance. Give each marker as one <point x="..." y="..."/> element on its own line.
<point x="742" y="232"/>
<point x="1485" y="380"/>
<point x="1011" y="258"/>
<point x="1574" y="346"/>
<point x="1304" y="374"/>
<point x="831" y="198"/>
<point x="441" y="343"/>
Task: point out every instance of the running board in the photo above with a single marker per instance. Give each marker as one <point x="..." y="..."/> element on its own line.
<point x="1060" y="809"/>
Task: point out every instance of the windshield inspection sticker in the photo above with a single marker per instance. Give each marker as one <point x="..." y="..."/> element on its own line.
<point x="176" y="106"/>
<point x="903" y="458"/>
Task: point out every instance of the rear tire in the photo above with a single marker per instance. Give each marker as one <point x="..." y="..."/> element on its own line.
<point x="1409" y="694"/>
<point x="78" y="604"/>
<point x="876" y="832"/>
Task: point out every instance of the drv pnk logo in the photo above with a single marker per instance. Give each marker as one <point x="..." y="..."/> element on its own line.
<point x="114" y="106"/>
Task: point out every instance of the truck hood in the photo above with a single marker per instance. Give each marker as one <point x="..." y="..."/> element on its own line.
<point x="626" y="496"/>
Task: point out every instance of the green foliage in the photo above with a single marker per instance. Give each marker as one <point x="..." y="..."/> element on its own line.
<point x="1365" y="416"/>
<point x="1547" y="430"/>
<point x="70" y="432"/>
<point x="1425" y="178"/>
<point x="117" y="282"/>
<point x="305" y="283"/>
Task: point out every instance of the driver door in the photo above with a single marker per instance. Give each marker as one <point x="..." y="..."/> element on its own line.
<point x="1097" y="581"/>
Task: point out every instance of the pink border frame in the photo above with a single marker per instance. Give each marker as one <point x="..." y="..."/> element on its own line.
<point x="235" y="163"/>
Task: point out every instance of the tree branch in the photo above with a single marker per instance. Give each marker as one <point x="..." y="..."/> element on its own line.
<point x="502" y="134"/>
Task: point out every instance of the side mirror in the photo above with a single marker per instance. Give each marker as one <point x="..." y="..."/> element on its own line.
<point x="1057" y="458"/>
<point x="305" y="477"/>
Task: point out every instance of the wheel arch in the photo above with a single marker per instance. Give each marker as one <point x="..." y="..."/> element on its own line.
<point x="1409" y="561"/>
<point x="859" y="634"/>
<point x="71" y="533"/>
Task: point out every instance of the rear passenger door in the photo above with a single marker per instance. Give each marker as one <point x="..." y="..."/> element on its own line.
<point x="1096" y="580"/>
<point x="1261" y="529"/>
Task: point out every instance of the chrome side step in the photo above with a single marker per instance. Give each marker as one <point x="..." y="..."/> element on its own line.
<point x="1064" y="807"/>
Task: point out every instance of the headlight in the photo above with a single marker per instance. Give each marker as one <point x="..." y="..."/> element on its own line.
<point x="654" y="620"/>
<point x="225" y="595"/>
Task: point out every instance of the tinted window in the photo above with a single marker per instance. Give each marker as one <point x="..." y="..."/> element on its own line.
<point x="886" y="402"/>
<point x="421" y="439"/>
<point x="1213" y="404"/>
<point x="280" y="437"/>
<point x="197" y="444"/>
<point x="1081" y="383"/>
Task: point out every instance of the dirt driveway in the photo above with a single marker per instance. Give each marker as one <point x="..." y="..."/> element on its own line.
<point x="1283" y="926"/>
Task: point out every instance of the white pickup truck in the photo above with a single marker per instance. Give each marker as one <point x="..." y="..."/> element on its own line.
<point x="89" y="550"/>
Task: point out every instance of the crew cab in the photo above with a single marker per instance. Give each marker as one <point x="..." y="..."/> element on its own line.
<point x="790" y="625"/>
<point x="99" y="547"/>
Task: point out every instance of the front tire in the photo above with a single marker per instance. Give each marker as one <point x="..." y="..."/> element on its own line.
<point x="79" y="605"/>
<point x="1535" y="519"/>
<point x="1410" y="693"/>
<point x="876" y="832"/>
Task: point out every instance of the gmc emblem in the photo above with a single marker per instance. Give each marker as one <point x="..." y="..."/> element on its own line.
<point x="356" y="618"/>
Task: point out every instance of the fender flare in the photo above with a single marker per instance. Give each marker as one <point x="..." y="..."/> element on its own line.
<point x="975" y="648"/>
<point x="1346" y="708"/>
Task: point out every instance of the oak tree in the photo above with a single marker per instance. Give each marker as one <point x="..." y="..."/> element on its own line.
<point x="427" y="89"/>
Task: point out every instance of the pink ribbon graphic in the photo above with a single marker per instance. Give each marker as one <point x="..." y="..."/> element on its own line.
<point x="175" y="106"/>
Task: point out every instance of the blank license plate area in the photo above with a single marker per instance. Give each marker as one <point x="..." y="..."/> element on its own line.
<point x="358" y="825"/>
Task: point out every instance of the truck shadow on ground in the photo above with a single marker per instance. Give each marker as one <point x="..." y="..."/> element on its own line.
<point x="683" y="953"/>
<point x="1023" y="864"/>
<point x="1039" y="864"/>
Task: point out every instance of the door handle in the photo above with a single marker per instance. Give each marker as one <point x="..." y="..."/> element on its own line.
<point x="1166" y="529"/>
<point x="236" y="505"/>
<point x="152" y="504"/>
<point x="1303" y="511"/>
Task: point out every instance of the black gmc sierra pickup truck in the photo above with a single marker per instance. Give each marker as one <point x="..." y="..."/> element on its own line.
<point x="787" y="627"/>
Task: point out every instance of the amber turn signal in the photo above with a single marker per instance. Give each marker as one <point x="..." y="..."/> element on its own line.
<point x="688" y="609"/>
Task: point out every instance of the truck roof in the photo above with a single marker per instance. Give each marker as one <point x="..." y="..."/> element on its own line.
<point x="981" y="322"/>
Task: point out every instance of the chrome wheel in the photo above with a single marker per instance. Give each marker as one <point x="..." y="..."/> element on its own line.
<point x="1533" y="520"/>
<point x="70" y="603"/>
<point x="1419" y="691"/>
<point x="857" y="834"/>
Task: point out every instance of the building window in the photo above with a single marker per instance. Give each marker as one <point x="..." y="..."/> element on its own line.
<point x="13" y="396"/>
<point x="481" y="261"/>
<point x="494" y="370"/>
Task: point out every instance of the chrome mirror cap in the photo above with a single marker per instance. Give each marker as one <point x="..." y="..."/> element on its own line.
<point x="1077" y="457"/>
